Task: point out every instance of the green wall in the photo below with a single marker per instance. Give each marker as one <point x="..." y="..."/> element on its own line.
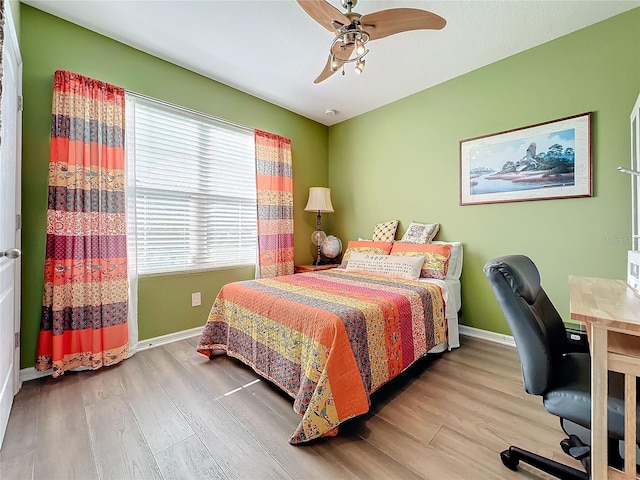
<point x="47" y="44"/>
<point x="401" y="162"/>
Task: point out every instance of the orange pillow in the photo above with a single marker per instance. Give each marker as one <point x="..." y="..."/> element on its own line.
<point x="436" y="262"/>
<point x="364" y="246"/>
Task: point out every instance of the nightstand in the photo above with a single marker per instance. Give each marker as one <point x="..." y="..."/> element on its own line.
<point x="314" y="268"/>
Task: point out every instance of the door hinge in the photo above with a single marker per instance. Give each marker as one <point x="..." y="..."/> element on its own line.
<point x="18" y="222"/>
<point x="20" y="103"/>
<point x="17" y="340"/>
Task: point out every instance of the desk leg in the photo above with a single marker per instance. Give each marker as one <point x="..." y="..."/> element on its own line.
<point x="629" y="423"/>
<point x="599" y="389"/>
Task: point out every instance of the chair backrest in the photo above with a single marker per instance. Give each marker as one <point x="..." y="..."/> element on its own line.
<point x="537" y="327"/>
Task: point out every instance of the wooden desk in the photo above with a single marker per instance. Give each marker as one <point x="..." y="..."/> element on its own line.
<point x="611" y="310"/>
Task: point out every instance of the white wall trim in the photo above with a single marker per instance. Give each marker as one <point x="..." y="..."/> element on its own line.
<point x="168" y="338"/>
<point x="27" y="374"/>
<point x="487" y="335"/>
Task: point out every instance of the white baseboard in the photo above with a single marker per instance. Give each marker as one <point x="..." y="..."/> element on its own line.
<point x="168" y="338"/>
<point x="487" y="335"/>
<point x="27" y="374"/>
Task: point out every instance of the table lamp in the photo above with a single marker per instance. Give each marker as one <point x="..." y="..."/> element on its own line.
<point x="320" y="202"/>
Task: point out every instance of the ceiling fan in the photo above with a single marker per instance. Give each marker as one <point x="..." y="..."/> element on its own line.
<point x="353" y="31"/>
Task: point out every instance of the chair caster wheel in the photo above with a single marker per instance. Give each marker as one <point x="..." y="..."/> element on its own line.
<point x="574" y="447"/>
<point x="508" y="461"/>
<point x="566" y="445"/>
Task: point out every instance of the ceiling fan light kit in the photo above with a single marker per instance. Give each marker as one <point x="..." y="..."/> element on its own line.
<point x="349" y="38"/>
<point x="353" y="31"/>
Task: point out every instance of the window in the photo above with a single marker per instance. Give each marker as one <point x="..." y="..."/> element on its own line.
<point x="191" y="186"/>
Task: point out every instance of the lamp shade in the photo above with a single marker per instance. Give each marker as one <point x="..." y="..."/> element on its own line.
<point x="319" y="200"/>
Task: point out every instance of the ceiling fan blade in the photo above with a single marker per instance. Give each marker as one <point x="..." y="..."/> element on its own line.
<point x="326" y="72"/>
<point x="341" y="54"/>
<point x="324" y="13"/>
<point x="396" y="20"/>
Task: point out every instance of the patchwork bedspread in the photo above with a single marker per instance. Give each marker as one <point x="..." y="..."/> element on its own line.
<point x="329" y="339"/>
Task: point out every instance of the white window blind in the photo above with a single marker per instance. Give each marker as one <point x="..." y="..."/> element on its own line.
<point x="192" y="180"/>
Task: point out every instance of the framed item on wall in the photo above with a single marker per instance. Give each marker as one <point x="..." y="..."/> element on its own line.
<point x="539" y="162"/>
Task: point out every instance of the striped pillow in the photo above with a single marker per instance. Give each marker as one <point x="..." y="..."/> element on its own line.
<point x="436" y="262"/>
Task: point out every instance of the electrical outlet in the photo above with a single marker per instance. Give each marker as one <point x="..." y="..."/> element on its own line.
<point x="196" y="299"/>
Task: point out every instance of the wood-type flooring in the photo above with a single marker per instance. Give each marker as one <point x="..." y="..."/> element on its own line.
<point x="169" y="413"/>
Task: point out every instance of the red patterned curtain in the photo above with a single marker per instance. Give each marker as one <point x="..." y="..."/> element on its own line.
<point x="84" y="312"/>
<point x="274" y="180"/>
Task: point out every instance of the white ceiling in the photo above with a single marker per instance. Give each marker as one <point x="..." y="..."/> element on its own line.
<point x="273" y="50"/>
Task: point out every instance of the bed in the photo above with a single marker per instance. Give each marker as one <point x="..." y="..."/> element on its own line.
<point x="331" y="338"/>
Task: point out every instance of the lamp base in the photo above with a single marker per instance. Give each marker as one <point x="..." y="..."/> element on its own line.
<point x="318" y="262"/>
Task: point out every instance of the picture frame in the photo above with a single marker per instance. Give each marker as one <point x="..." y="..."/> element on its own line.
<point x="548" y="160"/>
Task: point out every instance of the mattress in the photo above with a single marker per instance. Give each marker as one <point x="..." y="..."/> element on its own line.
<point x="453" y="303"/>
<point x="329" y="338"/>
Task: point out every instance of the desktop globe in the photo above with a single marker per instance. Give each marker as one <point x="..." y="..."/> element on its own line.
<point x="332" y="247"/>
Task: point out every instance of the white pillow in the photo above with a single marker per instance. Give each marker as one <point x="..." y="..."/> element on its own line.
<point x="455" y="259"/>
<point x="420" y="232"/>
<point x="393" y="266"/>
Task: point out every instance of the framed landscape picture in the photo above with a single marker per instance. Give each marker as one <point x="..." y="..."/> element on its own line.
<point x="539" y="162"/>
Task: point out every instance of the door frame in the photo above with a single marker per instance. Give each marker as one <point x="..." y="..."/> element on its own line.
<point x="15" y="44"/>
<point x="11" y="49"/>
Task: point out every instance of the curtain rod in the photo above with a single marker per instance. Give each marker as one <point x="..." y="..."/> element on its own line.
<point x="190" y="110"/>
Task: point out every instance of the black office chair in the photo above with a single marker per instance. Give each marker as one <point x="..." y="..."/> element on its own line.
<point x="550" y="369"/>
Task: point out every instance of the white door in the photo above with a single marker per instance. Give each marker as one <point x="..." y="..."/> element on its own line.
<point x="10" y="135"/>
